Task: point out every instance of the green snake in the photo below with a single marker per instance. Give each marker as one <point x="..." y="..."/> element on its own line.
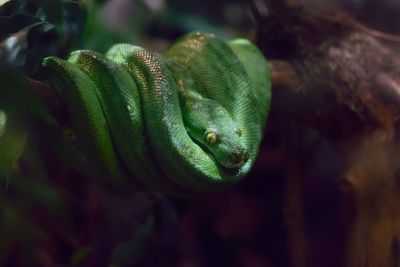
<point x="189" y="120"/>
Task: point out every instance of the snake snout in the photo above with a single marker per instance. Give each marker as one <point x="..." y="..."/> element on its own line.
<point x="240" y="158"/>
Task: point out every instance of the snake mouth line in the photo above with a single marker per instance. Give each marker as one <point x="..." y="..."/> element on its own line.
<point x="241" y="157"/>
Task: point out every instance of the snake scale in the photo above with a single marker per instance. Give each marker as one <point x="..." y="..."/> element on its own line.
<point x="189" y="120"/>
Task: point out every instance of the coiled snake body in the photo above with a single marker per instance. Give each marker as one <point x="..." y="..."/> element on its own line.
<point x="189" y="120"/>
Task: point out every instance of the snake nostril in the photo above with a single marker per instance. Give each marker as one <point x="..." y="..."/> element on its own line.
<point x="242" y="156"/>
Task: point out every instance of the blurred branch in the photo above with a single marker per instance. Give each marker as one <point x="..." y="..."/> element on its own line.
<point x="294" y="212"/>
<point x="345" y="19"/>
<point x="344" y="83"/>
<point x="374" y="233"/>
<point x="279" y="5"/>
<point x="50" y="98"/>
<point x="262" y="8"/>
<point x="283" y="74"/>
<point x="259" y="9"/>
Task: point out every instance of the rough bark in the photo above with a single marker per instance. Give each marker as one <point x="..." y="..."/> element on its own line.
<point x="342" y="80"/>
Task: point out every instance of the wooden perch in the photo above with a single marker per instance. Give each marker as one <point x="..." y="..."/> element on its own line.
<point x="340" y="78"/>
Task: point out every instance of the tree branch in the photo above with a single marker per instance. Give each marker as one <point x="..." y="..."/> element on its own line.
<point x="344" y="83"/>
<point x="258" y="9"/>
<point x="51" y="99"/>
<point x="283" y="74"/>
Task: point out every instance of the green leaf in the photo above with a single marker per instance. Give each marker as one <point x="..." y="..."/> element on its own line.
<point x="13" y="136"/>
<point x="17" y="99"/>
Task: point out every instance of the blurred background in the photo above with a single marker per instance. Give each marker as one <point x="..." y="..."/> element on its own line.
<point x="51" y="215"/>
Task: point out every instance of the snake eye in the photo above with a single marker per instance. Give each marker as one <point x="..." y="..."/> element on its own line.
<point x="211" y="137"/>
<point x="239" y="132"/>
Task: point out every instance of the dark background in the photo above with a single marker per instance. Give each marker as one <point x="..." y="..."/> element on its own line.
<point x="50" y="215"/>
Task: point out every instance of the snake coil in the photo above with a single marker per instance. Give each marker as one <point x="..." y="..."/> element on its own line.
<point x="190" y="120"/>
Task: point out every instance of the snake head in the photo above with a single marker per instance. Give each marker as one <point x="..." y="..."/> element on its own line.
<point x="211" y="126"/>
<point x="226" y="146"/>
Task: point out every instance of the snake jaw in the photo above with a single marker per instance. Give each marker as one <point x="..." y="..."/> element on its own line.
<point x="230" y="154"/>
<point x="240" y="158"/>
